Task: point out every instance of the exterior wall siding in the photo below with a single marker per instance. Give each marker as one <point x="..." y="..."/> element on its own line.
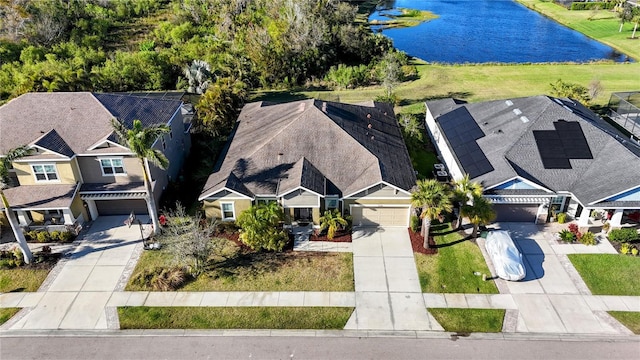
<point x="212" y="209"/>
<point x="442" y="148"/>
<point x="65" y="170"/>
<point x="77" y="209"/>
<point x="301" y="199"/>
<point x="380" y="191"/>
<point x="92" y="171"/>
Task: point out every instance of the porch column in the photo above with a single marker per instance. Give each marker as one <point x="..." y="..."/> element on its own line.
<point x="584" y="217"/>
<point x="93" y="209"/>
<point x="68" y="217"/>
<point x="22" y="218"/>
<point x="616" y="219"/>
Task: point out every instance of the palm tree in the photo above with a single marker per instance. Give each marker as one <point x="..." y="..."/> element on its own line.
<point x="480" y="211"/>
<point x="434" y="198"/>
<point x="332" y="220"/>
<point x="140" y="140"/>
<point x="271" y="212"/>
<point x="12" y="155"/>
<point x="464" y="190"/>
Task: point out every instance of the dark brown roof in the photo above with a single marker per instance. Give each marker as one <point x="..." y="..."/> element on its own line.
<point x="51" y="196"/>
<point x="352" y="146"/>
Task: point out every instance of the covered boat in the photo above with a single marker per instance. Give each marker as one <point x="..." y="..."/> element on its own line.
<point x="505" y="256"/>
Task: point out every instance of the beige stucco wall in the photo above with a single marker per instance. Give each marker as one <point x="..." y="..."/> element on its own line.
<point x="212" y="209"/>
<point x="315" y="215"/>
<point x="92" y="172"/>
<point x="77" y="209"/>
<point x="66" y="173"/>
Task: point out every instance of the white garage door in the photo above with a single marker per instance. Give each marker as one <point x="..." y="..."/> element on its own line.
<point x="516" y="213"/>
<point x="380" y="216"/>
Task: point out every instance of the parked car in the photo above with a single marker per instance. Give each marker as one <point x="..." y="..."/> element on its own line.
<point x="505" y="256"/>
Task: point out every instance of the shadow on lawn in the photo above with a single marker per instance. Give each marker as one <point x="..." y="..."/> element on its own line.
<point x="450" y="94"/>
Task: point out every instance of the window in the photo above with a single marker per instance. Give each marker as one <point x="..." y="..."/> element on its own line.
<point x="112" y="167"/>
<point x="228" y="212"/>
<point x="45" y="172"/>
<point x="331" y="202"/>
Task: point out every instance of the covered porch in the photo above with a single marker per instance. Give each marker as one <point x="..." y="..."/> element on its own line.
<point x="46" y="207"/>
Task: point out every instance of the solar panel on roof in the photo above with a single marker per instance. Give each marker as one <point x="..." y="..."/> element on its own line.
<point x="462" y="132"/>
<point x="557" y="146"/>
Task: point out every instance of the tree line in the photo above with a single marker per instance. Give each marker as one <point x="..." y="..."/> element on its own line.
<point x="221" y="48"/>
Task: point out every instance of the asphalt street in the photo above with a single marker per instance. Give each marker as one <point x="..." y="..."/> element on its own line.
<point x="295" y="347"/>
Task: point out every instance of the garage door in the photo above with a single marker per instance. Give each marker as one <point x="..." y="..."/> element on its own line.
<point x="516" y="213"/>
<point x="121" y="207"/>
<point x="380" y="216"/>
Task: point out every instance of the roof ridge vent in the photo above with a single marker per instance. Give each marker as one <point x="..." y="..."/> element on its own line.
<point x="509" y="102"/>
<point x="517" y="111"/>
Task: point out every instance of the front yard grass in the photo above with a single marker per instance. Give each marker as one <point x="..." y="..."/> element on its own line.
<point x="452" y="269"/>
<point x="233" y="317"/>
<point x="469" y="320"/>
<point x="288" y="271"/>
<point x="7" y="313"/>
<point x="629" y="319"/>
<point x="22" y="279"/>
<point x="608" y="274"/>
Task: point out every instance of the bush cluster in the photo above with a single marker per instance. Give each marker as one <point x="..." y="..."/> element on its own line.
<point x="624" y="235"/>
<point x="43" y="236"/>
<point x="11" y="258"/>
<point x="593" y="5"/>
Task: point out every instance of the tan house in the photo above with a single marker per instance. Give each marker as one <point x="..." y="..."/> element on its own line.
<point x="77" y="170"/>
<point x="314" y="155"/>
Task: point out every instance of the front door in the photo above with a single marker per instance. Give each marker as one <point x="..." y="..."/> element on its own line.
<point x="302" y="214"/>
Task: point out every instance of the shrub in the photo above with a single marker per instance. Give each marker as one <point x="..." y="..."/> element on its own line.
<point x="573" y="228"/>
<point x="567" y="236"/>
<point x="43" y="236"/>
<point x="562" y="218"/>
<point x="66" y="236"/>
<point x="588" y="238"/>
<point x="54" y="236"/>
<point x="606" y="226"/>
<point x="593" y="5"/>
<point x="31" y="235"/>
<point x="634" y="251"/>
<point x="227" y="227"/>
<point x="415" y="223"/>
<point x="169" y="279"/>
<point x="625" y="248"/>
<point x="623" y="235"/>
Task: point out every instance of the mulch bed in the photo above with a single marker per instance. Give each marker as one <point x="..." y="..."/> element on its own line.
<point x="417" y="242"/>
<point x="340" y="236"/>
<point x="617" y="245"/>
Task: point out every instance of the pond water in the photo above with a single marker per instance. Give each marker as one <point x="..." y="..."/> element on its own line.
<point x="480" y="31"/>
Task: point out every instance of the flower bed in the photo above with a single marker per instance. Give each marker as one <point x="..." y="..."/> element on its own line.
<point x="340" y="236"/>
<point x="417" y="242"/>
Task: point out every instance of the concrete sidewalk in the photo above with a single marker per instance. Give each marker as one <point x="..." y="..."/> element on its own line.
<point x="388" y="293"/>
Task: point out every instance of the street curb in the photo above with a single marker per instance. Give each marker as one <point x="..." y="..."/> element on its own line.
<point x="320" y="333"/>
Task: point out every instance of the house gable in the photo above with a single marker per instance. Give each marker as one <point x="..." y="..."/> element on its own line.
<point x="380" y="191"/>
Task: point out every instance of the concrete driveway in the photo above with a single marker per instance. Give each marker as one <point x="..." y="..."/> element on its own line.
<point x="552" y="298"/>
<point x="76" y="292"/>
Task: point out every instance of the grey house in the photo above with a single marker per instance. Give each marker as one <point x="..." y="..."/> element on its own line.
<point x="539" y="154"/>
<point x="77" y="170"/>
<point x="313" y="156"/>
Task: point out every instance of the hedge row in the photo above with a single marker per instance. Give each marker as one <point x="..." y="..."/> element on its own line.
<point x="593" y="5"/>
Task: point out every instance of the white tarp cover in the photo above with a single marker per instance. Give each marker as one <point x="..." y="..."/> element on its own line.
<point x="505" y="256"/>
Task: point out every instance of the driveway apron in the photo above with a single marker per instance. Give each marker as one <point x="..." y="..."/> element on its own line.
<point x="388" y="293"/>
<point x="76" y="293"/>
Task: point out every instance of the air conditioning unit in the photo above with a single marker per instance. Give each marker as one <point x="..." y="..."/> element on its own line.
<point x="438" y="167"/>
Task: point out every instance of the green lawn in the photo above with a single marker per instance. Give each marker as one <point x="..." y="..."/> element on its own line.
<point x="7" y="313"/>
<point x="289" y="271"/>
<point x="452" y="269"/>
<point x="602" y="25"/>
<point x="609" y="274"/>
<point x="469" y="320"/>
<point x="233" y="318"/>
<point x="628" y="319"/>
<point x="20" y="279"/>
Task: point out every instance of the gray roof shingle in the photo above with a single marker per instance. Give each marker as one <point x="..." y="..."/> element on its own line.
<point x="352" y="146"/>
<point x="78" y="119"/>
<point x="510" y="145"/>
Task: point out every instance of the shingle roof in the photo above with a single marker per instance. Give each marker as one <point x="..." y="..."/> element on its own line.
<point x="304" y="174"/>
<point x="510" y="145"/>
<point x="80" y="119"/>
<point x="52" y="141"/>
<point x="352" y="146"/>
<point x="48" y="196"/>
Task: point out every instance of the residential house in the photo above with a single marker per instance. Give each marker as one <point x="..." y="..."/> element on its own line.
<point x="539" y="155"/>
<point x="311" y="156"/>
<point x="78" y="171"/>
